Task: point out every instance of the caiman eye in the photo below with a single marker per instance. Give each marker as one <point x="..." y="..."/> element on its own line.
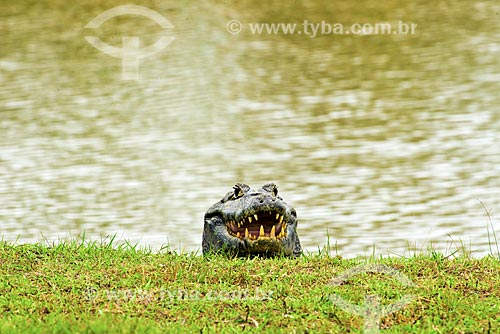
<point x="239" y="190"/>
<point x="272" y="188"/>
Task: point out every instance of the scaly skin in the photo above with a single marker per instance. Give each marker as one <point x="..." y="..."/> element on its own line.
<point x="251" y="222"/>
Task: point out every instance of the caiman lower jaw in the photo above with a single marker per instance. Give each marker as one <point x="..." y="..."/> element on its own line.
<point x="259" y="226"/>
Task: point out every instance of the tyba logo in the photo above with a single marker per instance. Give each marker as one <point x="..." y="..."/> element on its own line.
<point x="130" y="52"/>
<point x="372" y="310"/>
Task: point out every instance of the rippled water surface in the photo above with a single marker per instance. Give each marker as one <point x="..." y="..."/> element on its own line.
<point x="385" y="140"/>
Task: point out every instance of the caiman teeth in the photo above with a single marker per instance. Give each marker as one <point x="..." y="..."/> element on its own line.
<point x="282" y="233"/>
<point x="249" y="228"/>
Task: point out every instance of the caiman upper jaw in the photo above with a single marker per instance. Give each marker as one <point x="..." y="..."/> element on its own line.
<point x="261" y="225"/>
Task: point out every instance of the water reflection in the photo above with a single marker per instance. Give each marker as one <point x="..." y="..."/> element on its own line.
<point x="385" y="140"/>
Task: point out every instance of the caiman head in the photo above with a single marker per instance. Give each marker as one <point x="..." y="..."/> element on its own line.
<point x="252" y="222"/>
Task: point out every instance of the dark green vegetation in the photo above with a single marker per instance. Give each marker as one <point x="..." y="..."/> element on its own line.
<point x="81" y="287"/>
<point x="252" y="222"/>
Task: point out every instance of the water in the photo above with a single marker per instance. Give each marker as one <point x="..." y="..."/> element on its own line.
<point x="380" y="140"/>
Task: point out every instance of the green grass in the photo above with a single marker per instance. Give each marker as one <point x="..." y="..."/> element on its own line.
<point x="85" y="287"/>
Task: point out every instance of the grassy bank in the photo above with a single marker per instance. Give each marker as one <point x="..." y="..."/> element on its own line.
<point x="80" y="287"/>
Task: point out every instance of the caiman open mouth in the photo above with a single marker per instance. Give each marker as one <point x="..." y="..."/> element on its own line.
<point x="261" y="225"/>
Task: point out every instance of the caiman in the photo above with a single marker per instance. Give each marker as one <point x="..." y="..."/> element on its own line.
<point x="248" y="222"/>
